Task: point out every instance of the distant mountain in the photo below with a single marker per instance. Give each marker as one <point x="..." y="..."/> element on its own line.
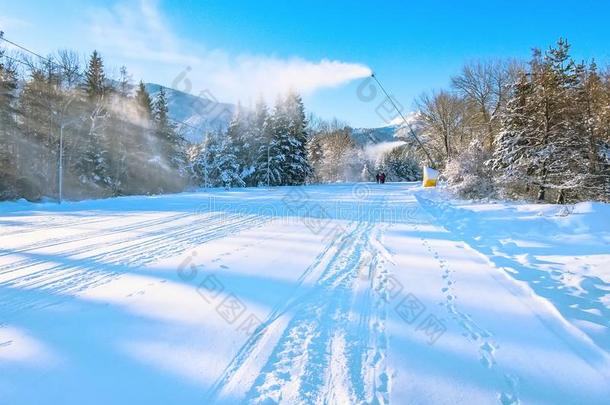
<point x="395" y="131"/>
<point x="373" y="136"/>
<point x="201" y="114"/>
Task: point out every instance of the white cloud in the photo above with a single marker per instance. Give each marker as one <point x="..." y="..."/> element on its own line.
<point x="138" y="33"/>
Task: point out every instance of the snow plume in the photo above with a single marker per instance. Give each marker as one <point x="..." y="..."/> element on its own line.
<point x="374" y="152"/>
<point x="138" y="34"/>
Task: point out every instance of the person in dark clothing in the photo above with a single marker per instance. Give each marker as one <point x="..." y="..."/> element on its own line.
<point x="378" y="178"/>
<point x="382" y="178"/>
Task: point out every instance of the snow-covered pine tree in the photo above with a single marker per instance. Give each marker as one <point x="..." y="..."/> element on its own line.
<point x="540" y="145"/>
<point x="214" y="162"/>
<point x="251" y="142"/>
<point x="226" y="164"/>
<point x="266" y="171"/>
<point x="165" y="129"/>
<point x="239" y="136"/>
<point x="274" y="156"/>
<point x="512" y="159"/>
<point x="172" y="146"/>
<point x="94" y="169"/>
<point x="315" y="156"/>
<point x="399" y="164"/>
<point x="565" y="163"/>
<point x="296" y="166"/>
<point x="199" y="162"/>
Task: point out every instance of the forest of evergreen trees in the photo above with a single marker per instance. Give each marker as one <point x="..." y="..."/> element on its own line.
<point x="505" y="129"/>
<point x="258" y="148"/>
<point x="114" y="140"/>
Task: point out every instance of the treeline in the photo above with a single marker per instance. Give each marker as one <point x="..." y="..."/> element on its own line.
<point x="112" y="140"/>
<point x="532" y="131"/>
<point x="336" y="157"/>
<point x="283" y="147"/>
<point x="105" y="136"/>
<point x="259" y="148"/>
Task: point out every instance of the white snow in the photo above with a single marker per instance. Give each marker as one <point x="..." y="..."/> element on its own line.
<point x="324" y="294"/>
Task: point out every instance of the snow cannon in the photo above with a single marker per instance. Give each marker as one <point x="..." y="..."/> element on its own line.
<point x="430" y="177"/>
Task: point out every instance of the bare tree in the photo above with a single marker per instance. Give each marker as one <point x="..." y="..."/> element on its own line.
<point x="445" y="119"/>
<point x="486" y="85"/>
<point x="70" y="68"/>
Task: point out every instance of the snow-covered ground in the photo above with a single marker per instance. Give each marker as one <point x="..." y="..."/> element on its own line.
<point x="325" y="294"/>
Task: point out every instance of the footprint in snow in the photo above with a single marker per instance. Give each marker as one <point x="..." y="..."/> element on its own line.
<point x="487" y="351"/>
<point x="222" y="266"/>
<point x="511" y="397"/>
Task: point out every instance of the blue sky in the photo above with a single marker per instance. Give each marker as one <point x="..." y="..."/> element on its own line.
<point x="239" y="50"/>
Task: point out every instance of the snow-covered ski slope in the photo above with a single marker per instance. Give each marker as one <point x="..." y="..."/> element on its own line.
<point x="332" y="294"/>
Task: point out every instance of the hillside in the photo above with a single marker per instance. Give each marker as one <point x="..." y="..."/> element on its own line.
<point x="201" y="114"/>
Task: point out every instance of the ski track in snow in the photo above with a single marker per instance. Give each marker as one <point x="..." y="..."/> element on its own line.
<point x="333" y="348"/>
<point x="97" y="263"/>
<point x="324" y="342"/>
<point x="47" y="224"/>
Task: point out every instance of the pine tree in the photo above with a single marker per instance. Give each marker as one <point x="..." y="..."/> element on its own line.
<point x="95" y="79"/>
<point x="265" y="173"/>
<point x="512" y="158"/>
<point x="315" y="156"/>
<point x="172" y="146"/>
<point x="214" y="163"/>
<point x="296" y="167"/>
<point x="226" y="164"/>
<point x="280" y="146"/>
<point x="547" y="141"/>
<point x="143" y="101"/>
<point x="564" y="159"/>
<point x="198" y="164"/>
<point x="141" y="156"/>
<point x="238" y="134"/>
<point x="94" y="168"/>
